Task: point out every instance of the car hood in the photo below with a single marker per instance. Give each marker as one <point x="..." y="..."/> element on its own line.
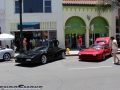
<point x="90" y="51"/>
<point x="28" y="54"/>
<point x="102" y="41"/>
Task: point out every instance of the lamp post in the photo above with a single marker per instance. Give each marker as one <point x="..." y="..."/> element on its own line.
<point x="21" y="35"/>
<point x="92" y="28"/>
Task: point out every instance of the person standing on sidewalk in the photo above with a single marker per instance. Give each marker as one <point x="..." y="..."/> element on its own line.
<point x="55" y="42"/>
<point x="114" y="49"/>
<point x="79" y="43"/>
<point x="25" y="44"/>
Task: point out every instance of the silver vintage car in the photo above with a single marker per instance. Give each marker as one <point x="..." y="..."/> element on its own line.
<point x="6" y="54"/>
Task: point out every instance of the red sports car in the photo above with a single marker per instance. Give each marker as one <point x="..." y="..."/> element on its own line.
<point x="98" y="51"/>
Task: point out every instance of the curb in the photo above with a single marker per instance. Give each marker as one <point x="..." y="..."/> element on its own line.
<point x="78" y="55"/>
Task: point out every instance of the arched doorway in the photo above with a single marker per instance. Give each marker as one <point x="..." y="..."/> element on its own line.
<point x="74" y="27"/>
<point x="100" y="26"/>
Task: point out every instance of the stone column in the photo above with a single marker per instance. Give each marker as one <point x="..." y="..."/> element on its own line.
<point x="110" y="33"/>
<point x="87" y="36"/>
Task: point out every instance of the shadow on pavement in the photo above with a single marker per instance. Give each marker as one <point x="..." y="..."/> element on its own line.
<point x="28" y="65"/>
<point x="95" y="61"/>
<point x="5" y="61"/>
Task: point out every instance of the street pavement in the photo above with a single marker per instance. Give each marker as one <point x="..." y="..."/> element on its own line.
<point x="65" y="74"/>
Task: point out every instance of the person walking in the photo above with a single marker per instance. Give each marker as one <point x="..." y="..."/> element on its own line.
<point x="25" y="44"/>
<point x="33" y="43"/>
<point x="114" y="49"/>
<point x="79" y="43"/>
<point x="55" y="42"/>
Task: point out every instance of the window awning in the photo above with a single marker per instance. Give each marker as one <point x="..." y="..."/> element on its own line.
<point x="28" y="23"/>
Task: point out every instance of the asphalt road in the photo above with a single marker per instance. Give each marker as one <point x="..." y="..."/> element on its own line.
<point x="66" y="74"/>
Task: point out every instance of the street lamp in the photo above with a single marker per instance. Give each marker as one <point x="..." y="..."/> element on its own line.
<point x="21" y="35"/>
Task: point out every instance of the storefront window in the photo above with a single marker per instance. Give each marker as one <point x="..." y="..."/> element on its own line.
<point x="52" y="34"/>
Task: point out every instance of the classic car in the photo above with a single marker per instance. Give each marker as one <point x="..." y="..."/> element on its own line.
<point x="6" y="54"/>
<point x="98" y="51"/>
<point x="40" y="54"/>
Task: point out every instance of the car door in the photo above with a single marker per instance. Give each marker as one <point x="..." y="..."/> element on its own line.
<point x="56" y="53"/>
<point x="50" y="53"/>
<point x="107" y="50"/>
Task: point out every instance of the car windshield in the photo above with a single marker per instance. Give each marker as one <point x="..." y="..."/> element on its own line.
<point x="101" y="42"/>
<point x="96" y="46"/>
<point x="39" y="48"/>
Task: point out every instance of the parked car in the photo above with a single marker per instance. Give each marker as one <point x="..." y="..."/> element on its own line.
<point x="40" y="54"/>
<point x="6" y="54"/>
<point x="98" y="51"/>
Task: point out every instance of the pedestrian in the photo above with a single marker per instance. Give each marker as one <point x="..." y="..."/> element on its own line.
<point x="33" y="43"/>
<point x="44" y="42"/>
<point x="80" y="43"/>
<point x="114" y="49"/>
<point x="50" y="42"/>
<point x="25" y="44"/>
<point x="55" y="42"/>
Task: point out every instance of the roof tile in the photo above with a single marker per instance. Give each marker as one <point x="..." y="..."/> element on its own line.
<point x="82" y="2"/>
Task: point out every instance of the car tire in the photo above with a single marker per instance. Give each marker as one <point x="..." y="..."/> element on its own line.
<point x="103" y="56"/>
<point x="6" y="57"/>
<point x="111" y="54"/>
<point x="43" y="59"/>
<point x="62" y="55"/>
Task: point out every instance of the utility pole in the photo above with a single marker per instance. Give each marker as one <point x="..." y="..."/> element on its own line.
<point x="21" y="35"/>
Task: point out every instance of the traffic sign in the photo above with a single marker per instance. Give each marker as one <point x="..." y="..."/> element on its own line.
<point x="92" y="27"/>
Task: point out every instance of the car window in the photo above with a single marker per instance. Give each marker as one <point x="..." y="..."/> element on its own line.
<point x="51" y="48"/>
<point x="96" y="46"/>
<point x="101" y="42"/>
<point x="38" y="48"/>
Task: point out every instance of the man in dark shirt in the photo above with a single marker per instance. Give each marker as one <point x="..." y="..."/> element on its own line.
<point x="55" y="42"/>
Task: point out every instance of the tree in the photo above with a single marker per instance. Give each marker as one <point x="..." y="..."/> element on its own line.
<point x="104" y="5"/>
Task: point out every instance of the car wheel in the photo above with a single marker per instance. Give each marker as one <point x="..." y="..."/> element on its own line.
<point x="111" y="54"/>
<point x="43" y="59"/>
<point x="6" y="57"/>
<point x="103" y="56"/>
<point x="63" y="55"/>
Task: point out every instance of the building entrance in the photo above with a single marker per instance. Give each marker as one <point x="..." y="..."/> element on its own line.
<point x="71" y="40"/>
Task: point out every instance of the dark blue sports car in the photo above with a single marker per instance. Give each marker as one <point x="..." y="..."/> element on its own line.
<point x="41" y="54"/>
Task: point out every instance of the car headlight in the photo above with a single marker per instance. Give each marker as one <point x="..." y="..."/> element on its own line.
<point x="94" y="54"/>
<point x="28" y="59"/>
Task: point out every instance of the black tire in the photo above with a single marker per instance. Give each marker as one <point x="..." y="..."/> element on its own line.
<point x="43" y="59"/>
<point x="6" y="57"/>
<point x="62" y="55"/>
<point x="103" y="56"/>
<point x="111" y="54"/>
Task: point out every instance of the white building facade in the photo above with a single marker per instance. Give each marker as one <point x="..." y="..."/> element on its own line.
<point x="2" y="17"/>
<point x="40" y="19"/>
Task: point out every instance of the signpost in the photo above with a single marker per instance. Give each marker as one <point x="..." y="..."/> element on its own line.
<point x="92" y="29"/>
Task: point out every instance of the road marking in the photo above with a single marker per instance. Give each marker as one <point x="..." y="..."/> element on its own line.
<point x="90" y="67"/>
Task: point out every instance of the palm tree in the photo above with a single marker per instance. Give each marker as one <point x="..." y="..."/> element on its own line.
<point x="104" y="5"/>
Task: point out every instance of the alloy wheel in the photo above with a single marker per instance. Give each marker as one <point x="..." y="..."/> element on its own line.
<point x="63" y="55"/>
<point x="6" y="56"/>
<point x="44" y="59"/>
